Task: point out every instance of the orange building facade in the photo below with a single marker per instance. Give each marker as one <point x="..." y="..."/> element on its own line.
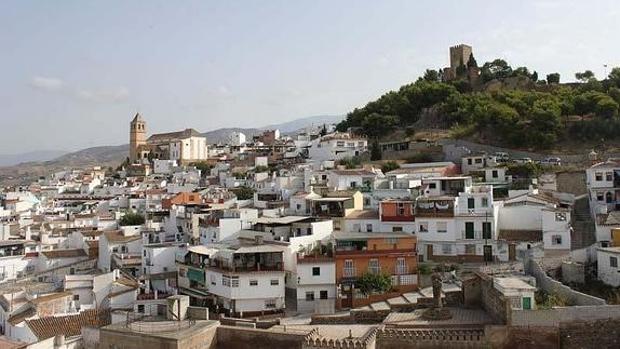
<point x="356" y="254"/>
<point x="397" y="211"/>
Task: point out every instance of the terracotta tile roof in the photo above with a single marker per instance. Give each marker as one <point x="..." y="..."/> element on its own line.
<point x="117" y="236"/>
<point x="521" y="235"/>
<point x="69" y="325"/>
<point x="65" y="253"/>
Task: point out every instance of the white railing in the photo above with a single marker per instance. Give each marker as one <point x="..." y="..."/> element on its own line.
<point x="349" y="272"/>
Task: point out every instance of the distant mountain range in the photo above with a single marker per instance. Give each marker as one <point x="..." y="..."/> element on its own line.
<point x="298" y="124"/>
<point x="42" y="155"/>
<point x="289" y="127"/>
<point x="24" y="168"/>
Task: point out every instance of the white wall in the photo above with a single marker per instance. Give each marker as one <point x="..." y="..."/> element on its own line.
<point x="606" y="273"/>
<point x="248" y="298"/>
<point x="522" y="217"/>
<point x="159" y="258"/>
<point x="433" y="234"/>
<point x="554" y="225"/>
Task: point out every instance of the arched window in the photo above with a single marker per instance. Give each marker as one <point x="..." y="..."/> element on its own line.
<point x="608" y="198"/>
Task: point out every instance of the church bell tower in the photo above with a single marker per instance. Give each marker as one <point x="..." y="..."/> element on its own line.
<point x="137" y="137"/>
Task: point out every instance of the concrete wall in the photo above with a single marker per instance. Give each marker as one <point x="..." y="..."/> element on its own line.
<point x="198" y="338"/>
<point x="245" y="338"/>
<point x="551" y="286"/>
<point x="555" y="316"/>
<point x="591" y="334"/>
<point x="493" y="302"/>
<point x="573" y="272"/>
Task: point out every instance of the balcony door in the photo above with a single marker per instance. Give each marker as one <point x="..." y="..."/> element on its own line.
<point x="469" y="230"/>
<point x="486" y="230"/>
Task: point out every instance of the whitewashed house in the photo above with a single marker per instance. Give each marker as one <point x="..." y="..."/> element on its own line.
<point x="608" y="267"/>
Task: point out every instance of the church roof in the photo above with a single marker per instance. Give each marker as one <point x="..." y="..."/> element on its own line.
<point x="165" y="137"/>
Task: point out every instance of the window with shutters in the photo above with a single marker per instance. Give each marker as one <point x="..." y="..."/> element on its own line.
<point x="349" y="268"/>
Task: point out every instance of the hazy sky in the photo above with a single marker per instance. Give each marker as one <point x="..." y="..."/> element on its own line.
<point x="73" y="73"/>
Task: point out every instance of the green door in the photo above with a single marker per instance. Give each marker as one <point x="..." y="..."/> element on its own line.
<point x="527" y="303"/>
<point x="469" y="230"/>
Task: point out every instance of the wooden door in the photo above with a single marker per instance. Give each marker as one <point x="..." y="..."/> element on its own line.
<point x="488" y="253"/>
<point x="512" y="252"/>
<point x="429" y="252"/>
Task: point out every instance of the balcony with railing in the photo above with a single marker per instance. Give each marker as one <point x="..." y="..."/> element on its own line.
<point x="476" y="235"/>
<point x="127" y="259"/>
<point x="434" y="208"/>
<point x="401" y="270"/>
<point x="315" y="258"/>
<point x="153" y="296"/>
<point x="398" y="218"/>
<point x="328" y="208"/>
<point x="349" y="272"/>
<point x="243" y="263"/>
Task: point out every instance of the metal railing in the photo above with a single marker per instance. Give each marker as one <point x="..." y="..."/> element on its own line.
<point x="476" y="235"/>
<point x="349" y="272"/>
<point x="401" y="270"/>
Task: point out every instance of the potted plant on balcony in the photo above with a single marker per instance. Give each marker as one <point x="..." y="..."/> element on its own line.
<point x="371" y="283"/>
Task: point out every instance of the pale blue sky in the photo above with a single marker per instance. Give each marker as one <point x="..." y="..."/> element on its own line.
<point x="73" y="73"/>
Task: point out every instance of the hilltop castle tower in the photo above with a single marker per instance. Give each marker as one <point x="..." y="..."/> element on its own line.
<point x="459" y="55"/>
<point x="137" y="137"/>
<point x="462" y="65"/>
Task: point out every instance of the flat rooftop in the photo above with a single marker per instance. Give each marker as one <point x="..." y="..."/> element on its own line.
<point x="460" y="317"/>
<point x="163" y="329"/>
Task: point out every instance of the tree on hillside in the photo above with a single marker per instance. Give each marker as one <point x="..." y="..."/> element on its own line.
<point x="431" y="75"/>
<point x="377" y="125"/>
<point x="497" y="69"/>
<point x="553" y="78"/>
<point x="614" y="76"/>
<point x="244" y="193"/>
<point x="471" y="62"/>
<point x="131" y="218"/>
<point x="614" y="93"/>
<point x="375" y="151"/>
<point x="584" y="103"/>
<point x="389" y="166"/>
<point x="606" y="108"/>
<point x="584" y="76"/>
<point x="522" y="71"/>
<point x="323" y="130"/>
<point x="204" y="167"/>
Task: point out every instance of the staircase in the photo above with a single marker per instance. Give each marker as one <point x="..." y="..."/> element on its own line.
<point x="584" y="230"/>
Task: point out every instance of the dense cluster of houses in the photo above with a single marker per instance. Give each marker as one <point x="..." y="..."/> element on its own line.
<point x="263" y="226"/>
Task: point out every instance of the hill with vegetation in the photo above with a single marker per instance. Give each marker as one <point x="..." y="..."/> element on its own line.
<point x="502" y="106"/>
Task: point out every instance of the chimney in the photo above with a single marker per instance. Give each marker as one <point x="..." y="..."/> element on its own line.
<point x="59" y="340"/>
<point x="258" y="239"/>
